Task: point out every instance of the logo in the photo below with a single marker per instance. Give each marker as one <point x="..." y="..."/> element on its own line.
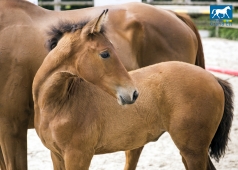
<point x="221" y="12"/>
<point x="221" y="15"/>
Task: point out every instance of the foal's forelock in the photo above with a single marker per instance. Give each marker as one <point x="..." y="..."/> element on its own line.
<point x="56" y="32"/>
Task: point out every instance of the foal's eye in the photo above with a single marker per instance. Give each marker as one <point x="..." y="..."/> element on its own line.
<point x="105" y="54"/>
<point x="53" y="45"/>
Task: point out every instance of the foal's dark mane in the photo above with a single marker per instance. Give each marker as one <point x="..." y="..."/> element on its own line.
<point x="56" y="32"/>
<point x="64" y="27"/>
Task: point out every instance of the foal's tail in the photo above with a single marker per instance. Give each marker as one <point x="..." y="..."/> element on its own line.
<point x="219" y="142"/>
<point x="200" y="55"/>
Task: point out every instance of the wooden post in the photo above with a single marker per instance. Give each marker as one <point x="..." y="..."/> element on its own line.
<point x="57" y="7"/>
<point x="187" y="1"/>
<point x="217" y="31"/>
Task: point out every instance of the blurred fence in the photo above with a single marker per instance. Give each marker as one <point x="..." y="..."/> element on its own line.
<point x="87" y="3"/>
<point x="201" y="7"/>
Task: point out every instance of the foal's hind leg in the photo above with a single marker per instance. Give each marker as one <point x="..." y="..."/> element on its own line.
<point x="210" y="164"/>
<point x="195" y="161"/>
<point x="132" y="158"/>
<point x="193" y="142"/>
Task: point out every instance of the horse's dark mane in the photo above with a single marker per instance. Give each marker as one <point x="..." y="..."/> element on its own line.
<point x="56" y="32"/>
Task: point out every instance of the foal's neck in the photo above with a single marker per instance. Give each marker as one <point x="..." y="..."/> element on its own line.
<point x="54" y="62"/>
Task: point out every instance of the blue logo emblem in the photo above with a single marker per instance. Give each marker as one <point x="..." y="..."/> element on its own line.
<point x="221" y="12"/>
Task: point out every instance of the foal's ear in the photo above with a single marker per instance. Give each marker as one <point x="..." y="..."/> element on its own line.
<point x="95" y="26"/>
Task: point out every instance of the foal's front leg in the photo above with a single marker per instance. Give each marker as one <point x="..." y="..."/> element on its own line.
<point x="58" y="161"/>
<point x="132" y="157"/>
<point x="78" y="159"/>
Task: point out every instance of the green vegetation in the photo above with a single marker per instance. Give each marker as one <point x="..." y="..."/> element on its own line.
<point x="203" y="23"/>
<point x="228" y="33"/>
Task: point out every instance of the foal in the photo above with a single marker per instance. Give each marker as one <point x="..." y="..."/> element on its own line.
<point x="78" y="119"/>
<point x="84" y="50"/>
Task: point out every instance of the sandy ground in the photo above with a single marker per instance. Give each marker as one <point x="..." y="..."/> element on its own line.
<point x="162" y="154"/>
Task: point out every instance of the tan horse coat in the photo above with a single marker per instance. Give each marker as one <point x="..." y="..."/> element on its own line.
<point x="182" y="99"/>
<point x="140" y="39"/>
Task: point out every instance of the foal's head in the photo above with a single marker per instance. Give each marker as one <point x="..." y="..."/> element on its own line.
<point x="84" y="50"/>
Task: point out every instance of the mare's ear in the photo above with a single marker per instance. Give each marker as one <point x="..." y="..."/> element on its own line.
<point x="95" y="25"/>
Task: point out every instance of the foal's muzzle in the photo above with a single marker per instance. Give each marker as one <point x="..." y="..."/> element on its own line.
<point x="125" y="97"/>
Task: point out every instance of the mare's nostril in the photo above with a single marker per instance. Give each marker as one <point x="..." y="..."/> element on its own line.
<point x="135" y="95"/>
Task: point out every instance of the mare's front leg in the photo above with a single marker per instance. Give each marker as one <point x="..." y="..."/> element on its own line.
<point x="132" y="157"/>
<point x="15" y="111"/>
<point x="2" y="164"/>
<point x="78" y="159"/>
<point x="13" y="139"/>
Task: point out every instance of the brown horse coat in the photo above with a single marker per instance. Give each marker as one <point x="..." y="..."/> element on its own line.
<point x="140" y="39"/>
<point x="182" y="99"/>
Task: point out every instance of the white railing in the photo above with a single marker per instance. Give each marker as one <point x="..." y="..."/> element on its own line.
<point x="58" y="3"/>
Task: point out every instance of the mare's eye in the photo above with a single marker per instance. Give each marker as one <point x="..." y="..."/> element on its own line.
<point x="104" y="54"/>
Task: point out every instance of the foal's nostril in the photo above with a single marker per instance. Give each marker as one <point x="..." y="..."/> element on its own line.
<point x="135" y="95"/>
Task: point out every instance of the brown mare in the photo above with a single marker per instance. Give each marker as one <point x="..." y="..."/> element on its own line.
<point x="76" y="120"/>
<point x="139" y="38"/>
